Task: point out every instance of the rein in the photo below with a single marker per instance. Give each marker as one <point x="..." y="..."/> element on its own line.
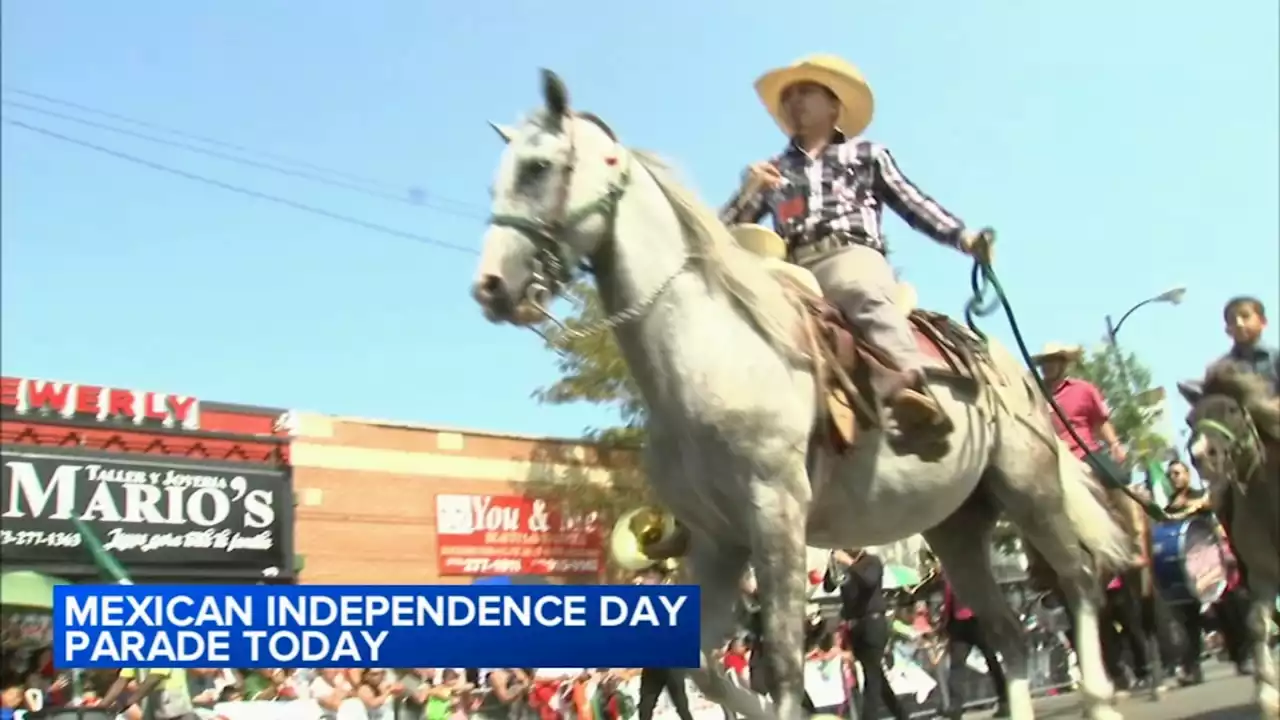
<point x="983" y="280"/>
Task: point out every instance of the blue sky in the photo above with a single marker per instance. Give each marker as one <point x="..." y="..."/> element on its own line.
<point x="1119" y="149"/>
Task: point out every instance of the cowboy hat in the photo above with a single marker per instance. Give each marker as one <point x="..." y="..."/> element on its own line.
<point x="1056" y="350"/>
<point x="857" y="105"/>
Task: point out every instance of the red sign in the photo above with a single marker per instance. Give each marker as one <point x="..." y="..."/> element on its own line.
<point x="513" y="535"/>
<point x="29" y="396"/>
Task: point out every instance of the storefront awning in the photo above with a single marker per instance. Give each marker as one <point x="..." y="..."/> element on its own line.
<point x="29" y="589"/>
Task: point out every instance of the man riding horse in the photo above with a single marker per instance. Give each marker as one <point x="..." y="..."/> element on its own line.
<point x="826" y="192"/>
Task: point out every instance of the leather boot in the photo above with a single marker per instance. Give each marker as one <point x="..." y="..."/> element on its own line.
<point x="914" y="410"/>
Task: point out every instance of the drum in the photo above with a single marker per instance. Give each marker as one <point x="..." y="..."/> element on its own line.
<point x="1188" y="562"/>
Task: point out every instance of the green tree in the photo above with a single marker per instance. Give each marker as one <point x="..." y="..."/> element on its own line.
<point x="592" y="370"/>
<point x="1136" y="407"/>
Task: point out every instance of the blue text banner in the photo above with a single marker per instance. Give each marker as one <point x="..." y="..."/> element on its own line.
<point x="352" y="626"/>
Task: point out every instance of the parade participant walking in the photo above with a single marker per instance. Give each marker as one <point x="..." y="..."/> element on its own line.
<point x="826" y="193"/>
<point x="859" y="575"/>
<point x="654" y="680"/>
<point x="964" y="633"/>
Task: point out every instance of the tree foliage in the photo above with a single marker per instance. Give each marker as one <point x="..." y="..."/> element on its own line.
<point x="592" y="370"/>
<point x="1136" y="406"/>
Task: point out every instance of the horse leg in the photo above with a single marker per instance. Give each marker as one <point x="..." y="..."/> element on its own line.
<point x="718" y="569"/>
<point x="778" y="558"/>
<point x="962" y="543"/>
<point x="1052" y="538"/>
<point x="1261" y="605"/>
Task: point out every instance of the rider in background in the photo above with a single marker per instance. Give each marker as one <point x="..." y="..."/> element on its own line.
<point x="1089" y="417"/>
<point x="1246" y="318"/>
<point x="826" y="192"/>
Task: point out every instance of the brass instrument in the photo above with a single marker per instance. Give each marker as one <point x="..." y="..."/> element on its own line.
<point x="928" y="562"/>
<point x="644" y="529"/>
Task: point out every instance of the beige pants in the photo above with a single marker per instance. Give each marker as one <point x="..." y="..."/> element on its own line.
<point x="860" y="281"/>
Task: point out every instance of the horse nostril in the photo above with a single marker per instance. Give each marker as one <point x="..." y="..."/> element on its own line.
<point x="490" y="287"/>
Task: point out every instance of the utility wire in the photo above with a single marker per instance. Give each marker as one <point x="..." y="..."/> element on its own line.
<point x="244" y="161"/>
<point x="379" y="185"/>
<point x="376" y="227"/>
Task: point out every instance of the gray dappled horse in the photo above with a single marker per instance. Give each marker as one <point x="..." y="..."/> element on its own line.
<point x="738" y="446"/>
<point x="1235" y="446"/>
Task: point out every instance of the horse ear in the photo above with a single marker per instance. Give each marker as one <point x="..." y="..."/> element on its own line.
<point x="555" y="94"/>
<point x="1191" y="390"/>
<point x="503" y="131"/>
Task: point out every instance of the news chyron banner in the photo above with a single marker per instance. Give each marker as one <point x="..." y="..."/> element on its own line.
<point x="348" y="626"/>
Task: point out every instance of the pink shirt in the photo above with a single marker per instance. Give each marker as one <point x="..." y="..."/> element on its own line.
<point x="1084" y="407"/>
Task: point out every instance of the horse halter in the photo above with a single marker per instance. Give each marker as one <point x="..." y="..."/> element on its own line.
<point x="550" y="269"/>
<point x="1247" y="448"/>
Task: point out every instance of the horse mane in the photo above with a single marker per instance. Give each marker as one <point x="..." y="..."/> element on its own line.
<point x="725" y="264"/>
<point x="1251" y="390"/>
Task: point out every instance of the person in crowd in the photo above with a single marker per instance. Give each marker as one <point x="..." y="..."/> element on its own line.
<point x="737" y="660"/>
<point x="329" y="689"/>
<point x="448" y="699"/>
<point x="11" y="701"/>
<point x="1231" y="613"/>
<point x="751" y="621"/>
<point x="417" y="689"/>
<point x="378" y="693"/>
<point x="505" y="693"/>
<point x="165" y="689"/>
<point x="859" y="575"/>
<point x="202" y="685"/>
<point x="654" y="680"/>
<point x="964" y="633"/>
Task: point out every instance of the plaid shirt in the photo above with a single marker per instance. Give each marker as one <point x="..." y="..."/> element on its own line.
<point x="842" y="190"/>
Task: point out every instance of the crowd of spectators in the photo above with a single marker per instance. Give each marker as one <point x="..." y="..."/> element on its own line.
<point x="370" y="694"/>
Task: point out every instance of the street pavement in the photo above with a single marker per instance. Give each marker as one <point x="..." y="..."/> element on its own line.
<point x="1223" y="696"/>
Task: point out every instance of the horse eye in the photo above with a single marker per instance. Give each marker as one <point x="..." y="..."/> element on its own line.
<point x="534" y="169"/>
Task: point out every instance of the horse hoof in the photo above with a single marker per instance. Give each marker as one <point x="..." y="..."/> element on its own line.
<point x="1104" y="712"/>
<point x="1269" y="702"/>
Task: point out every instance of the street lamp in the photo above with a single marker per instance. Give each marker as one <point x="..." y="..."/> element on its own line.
<point x="1173" y="296"/>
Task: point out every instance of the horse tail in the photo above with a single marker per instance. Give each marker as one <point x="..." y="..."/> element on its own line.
<point x="1090" y="515"/>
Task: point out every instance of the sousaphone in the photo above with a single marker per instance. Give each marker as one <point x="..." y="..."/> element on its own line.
<point x="647" y="537"/>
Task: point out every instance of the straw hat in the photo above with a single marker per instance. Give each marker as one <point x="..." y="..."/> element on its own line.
<point x="857" y="105"/>
<point x="1058" y="351"/>
<point x="760" y="240"/>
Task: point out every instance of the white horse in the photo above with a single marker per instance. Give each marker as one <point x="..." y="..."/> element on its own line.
<point x="716" y="344"/>
<point x="1235" y="446"/>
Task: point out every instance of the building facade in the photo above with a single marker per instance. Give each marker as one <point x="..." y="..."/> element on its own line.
<point x="382" y="502"/>
<point x="176" y="489"/>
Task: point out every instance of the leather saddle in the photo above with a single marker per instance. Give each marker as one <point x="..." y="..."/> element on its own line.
<point x="850" y="367"/>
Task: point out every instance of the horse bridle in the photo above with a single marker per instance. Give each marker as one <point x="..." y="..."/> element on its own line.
<point x="550" y="269"/>
<point x="1247" y="447"/>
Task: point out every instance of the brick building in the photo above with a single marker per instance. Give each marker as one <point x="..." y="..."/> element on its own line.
<point x="184" y="490"/>
<point x="384" y="503"/>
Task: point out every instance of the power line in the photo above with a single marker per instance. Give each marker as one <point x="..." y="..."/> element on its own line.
<point x="244" y="161"/>
<point x="376" y="227"/>
<point x="379" y="185"/>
